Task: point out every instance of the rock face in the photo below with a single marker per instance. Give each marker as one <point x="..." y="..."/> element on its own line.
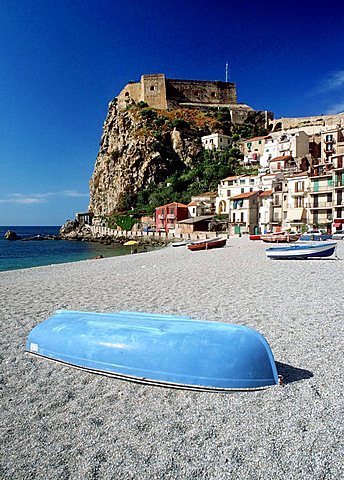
<point x="11" y="235"/>
<point x="136" y="150"/>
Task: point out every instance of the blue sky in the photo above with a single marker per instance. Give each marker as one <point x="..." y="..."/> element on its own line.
<point x="61" y="62"/>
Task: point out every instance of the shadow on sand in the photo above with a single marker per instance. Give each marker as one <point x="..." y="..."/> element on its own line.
<point x="292" y="374"/>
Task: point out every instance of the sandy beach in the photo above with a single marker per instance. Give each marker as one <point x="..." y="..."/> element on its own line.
<point x="62" y="423"/>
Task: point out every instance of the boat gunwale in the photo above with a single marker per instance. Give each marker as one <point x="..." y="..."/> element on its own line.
<point x="152" y="382"/>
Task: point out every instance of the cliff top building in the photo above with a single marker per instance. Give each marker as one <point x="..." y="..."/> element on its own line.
<point x="162" y="93"/>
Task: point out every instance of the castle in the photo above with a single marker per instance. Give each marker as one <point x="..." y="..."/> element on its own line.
<point x="162" y="93"/>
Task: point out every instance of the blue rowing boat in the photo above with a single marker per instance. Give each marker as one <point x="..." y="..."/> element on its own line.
<point x="302" y="251"/>
<point x="157" y="349"/>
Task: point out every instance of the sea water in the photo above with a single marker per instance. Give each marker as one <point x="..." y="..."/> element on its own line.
<point x="16" y="254"/>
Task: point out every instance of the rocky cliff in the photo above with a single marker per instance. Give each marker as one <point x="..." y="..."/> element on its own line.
<point x="142" y="145"/>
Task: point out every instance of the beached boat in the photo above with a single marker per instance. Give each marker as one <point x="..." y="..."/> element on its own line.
<point x="281" y="237"/>
<point x="255" y="237"/>
<point x="207" y="244"/>
<point x="302" y="251"/>
<point x="179" y="244"/>
<point x="316" y="235"/>
<point x="163" y="350"/>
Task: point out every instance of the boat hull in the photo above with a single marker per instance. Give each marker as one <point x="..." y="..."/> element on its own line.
<point x="207" y="245"/>
<point x="280" y="238"/>
<point x="159" y="349"/>
<point x="302" y="251"/>
<point x="255" y="237"/>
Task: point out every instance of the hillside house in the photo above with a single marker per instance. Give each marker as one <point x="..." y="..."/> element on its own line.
<point x="232" y="186"/>
<point x="167" y="216"/>
<point x="282" y="164"/>
<point x="253" y="149"/>
<point x="216" y="141"/>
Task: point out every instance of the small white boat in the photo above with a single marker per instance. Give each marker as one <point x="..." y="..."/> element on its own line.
<point x="302" y="251"/>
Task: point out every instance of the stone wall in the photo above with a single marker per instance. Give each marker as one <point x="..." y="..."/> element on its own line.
<point x="163" y="93"/>
<point x="314" y="121"/>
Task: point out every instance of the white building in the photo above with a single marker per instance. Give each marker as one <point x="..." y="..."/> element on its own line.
<point x="295" y="213"/>
<point x="216" y="141"/>
<point x="233" y="186"/>
<point x="295" y="145"/>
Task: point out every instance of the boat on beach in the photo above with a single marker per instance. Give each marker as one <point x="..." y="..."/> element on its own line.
<point x="302" y="251"/>
<point x="207" y="244"/>
<point x="165" y="350"/>
<point x="280" y="237"/>
<point x="316" y="235"/>
<point x="255" y="237"/>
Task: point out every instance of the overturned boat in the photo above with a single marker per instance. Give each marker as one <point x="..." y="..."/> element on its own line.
<point x="302" y="251"/>
<point x="164" y="350"/>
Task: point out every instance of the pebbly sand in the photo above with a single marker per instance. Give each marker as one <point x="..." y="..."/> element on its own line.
<point x="61" y="423"/>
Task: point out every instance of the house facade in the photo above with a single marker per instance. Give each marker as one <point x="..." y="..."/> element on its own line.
<point x="244" y="212"/>
<point x="167" y="216"/>
<point x="216" y="141"/>
<point x="295" y="213"/>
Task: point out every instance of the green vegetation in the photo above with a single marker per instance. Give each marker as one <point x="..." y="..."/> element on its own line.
<point x="211" y="167"/>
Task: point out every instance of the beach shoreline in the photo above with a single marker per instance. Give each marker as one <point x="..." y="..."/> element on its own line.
<point x="59" y="422"/>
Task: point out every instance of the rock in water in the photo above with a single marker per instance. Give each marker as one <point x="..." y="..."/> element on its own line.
<point x="11" y="235"/>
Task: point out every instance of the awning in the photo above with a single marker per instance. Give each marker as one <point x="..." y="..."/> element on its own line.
<point x="295" y="214"/>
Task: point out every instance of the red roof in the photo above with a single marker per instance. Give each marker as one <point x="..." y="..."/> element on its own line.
<point x="281" y="159"/>
<point x="266" y="193"/>
<point x="245" y="195"/>
<point x="173" y="204"/>
<point x="192" y="204"/>
<point x="256" y="138"/>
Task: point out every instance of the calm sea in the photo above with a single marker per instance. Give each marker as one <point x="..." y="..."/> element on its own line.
<point x="34" y="253"/>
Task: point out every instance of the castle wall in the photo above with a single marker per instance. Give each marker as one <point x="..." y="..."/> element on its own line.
<point x="198" y="91"/>
<point x="153" y="90"/>
<point x="314" y="121"/>
<point x="163" y="93"/>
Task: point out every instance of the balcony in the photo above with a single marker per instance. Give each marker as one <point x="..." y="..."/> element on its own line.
<point x="161" y="217"/>
<point x="171" y="216"/>
<point x="339" y="184"/>
<point x="321" y="189"/>
<point x="298" y="192"/>
<point x="314" y="205"/>
<point x="329" y="151"/>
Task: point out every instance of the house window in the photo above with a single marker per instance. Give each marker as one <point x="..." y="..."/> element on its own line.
<point x="278" y="165"/>
<point x="242" y="190"/>
<point x="172" y="211"/>
<point x="127" y="94"/>
<point x="329" y="138"/>
<point x="213" y="94"/>
<point x="233" y="219"/>
<point x="242" y="217"/>
<point x="242" y="181"/>
<point x="228" y="193"/>
<point x="260" y="142"/>
<point x="152" y="87"/>
<point x="221" y="140"/>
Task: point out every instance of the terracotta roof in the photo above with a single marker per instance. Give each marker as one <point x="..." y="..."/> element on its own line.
<point x="266" y="193"/>
<point x="281" y="159"/>
<point x="231" y="178"/>
<point x="256" y="138"/>
<point x="206" y="193"/>
<point x="192" y="204"/>
<point x="173" y="204"/>
<point x="245" y="195"/>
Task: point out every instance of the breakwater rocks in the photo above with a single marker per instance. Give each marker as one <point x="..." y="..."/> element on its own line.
<point x="11" y="235"/>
